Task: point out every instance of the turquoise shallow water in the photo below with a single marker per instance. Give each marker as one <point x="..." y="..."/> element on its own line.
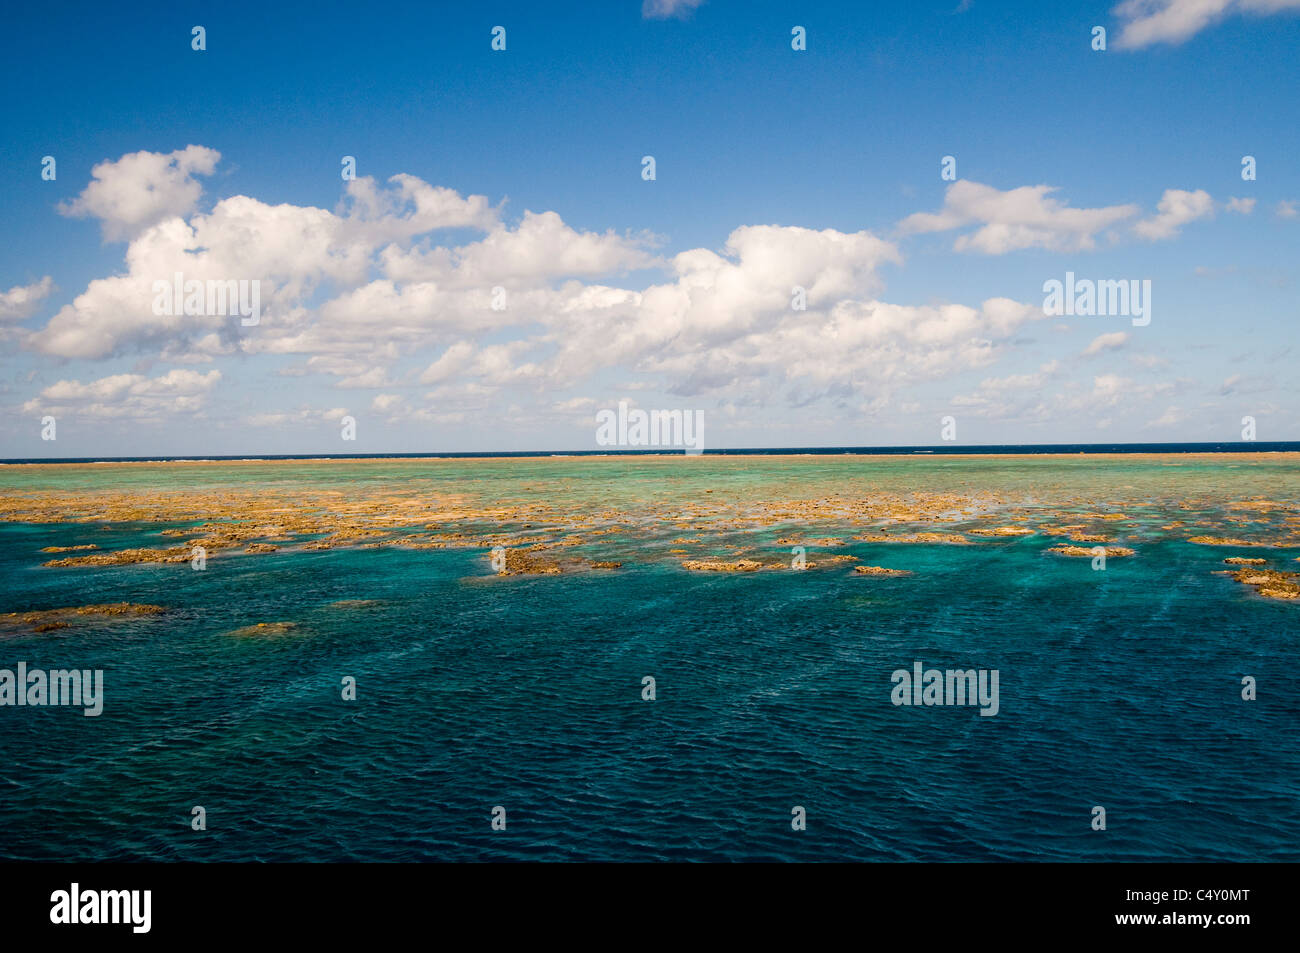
<point x="1118" y="688"/>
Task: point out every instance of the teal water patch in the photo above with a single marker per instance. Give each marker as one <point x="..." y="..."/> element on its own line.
<point x="1118" y="688"/>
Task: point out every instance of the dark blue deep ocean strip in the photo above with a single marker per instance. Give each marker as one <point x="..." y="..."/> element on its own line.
<point x="1261" y="446"/>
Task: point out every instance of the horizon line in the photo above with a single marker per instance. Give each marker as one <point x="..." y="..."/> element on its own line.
<point x="1240" y="446"/>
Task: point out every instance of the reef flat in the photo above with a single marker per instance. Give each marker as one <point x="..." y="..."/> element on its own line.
<point x="722" y="514"/>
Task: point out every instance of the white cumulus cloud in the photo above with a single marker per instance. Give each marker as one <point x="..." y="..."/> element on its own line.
<point x="1025" y="217"/>
<point x="1147" y="22"/>
<point x="22" y="301"/>
<point x="1177" y="207"/>
<point x="140" y="189"/>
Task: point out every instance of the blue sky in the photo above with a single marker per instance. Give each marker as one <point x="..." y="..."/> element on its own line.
<point x="774" y="167"/>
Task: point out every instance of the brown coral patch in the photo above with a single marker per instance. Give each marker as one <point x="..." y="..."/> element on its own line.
<point x="1111" y="551"/>
<point x="832" y="560"/>
<point x="1270" y="583"/>
<point x="263" y="629"/>
<point x="740" y="565"/>
<point x="526" y="562"/>
<point x="47" y="620"/>
<point x="912" y="538"/>
<point x="124" y="557"/>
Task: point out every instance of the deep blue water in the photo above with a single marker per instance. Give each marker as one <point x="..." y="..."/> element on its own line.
<point x="1226" y="446"/>
<point x="1118" y="688"/>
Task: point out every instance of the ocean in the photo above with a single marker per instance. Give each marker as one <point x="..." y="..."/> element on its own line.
<point x="1119" y="687"/>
